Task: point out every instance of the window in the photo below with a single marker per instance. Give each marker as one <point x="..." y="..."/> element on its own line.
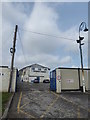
<point x="2" y="74"/>
<point x="45" y="69"/>
<point x="42" y="70"/>
<point x="24" y="72"/>
<point x="36" y="69"/>
<point x="33" y="69"/>
<point x="39" y="69"/>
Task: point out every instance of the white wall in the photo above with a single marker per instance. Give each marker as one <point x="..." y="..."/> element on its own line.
<point x="41" y="79"/>
<point x="4" y="79"/>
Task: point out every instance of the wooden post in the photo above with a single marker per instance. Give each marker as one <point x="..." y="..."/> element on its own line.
<point x="12" y="50"/>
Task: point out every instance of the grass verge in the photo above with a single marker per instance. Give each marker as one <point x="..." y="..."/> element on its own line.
<point x="5" y="99"/>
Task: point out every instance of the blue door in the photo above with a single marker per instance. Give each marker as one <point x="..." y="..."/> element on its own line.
<point x="53" y="80"/>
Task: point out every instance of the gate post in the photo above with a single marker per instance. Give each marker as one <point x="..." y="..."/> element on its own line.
<point x="58" y="81"/>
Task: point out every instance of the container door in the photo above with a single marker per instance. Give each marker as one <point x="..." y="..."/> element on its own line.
<point x="53" y="80"/>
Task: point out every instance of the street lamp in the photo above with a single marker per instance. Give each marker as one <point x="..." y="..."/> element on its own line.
<point x="82" y="27"/>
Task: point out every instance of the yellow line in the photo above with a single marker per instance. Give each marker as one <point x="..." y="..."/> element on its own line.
<point x="54" y="93"/>
<point x="48" y="108"/>
<point x="18" y="107"/>
<point x="26" y="113"/>
<point x="78" y="112"/>
<point x="87" y="93"/>
<point x="75" y="103"/>
<point x="68" y="100"/>
<point x="24" y="105"/>
<point x="26" y="98"/>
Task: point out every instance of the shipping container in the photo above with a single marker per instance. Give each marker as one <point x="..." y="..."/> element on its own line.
<point x="69" y="79"/>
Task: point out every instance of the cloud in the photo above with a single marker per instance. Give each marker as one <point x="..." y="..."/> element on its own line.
<point x="42" y="49"/>
<point x="44" y="19"/>
<point x="45" y="0"/>
<point x="1" y="33"/>
<point x="44" y="59"/>
<point x="11" y="15"/>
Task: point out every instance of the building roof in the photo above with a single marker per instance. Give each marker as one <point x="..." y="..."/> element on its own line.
<point x="34" y="64"/>
<point x="71" y="68"/>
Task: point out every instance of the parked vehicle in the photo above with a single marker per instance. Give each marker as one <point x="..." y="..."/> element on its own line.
<point x="36" y="81"/>
<point x="32" y="81"/>
<point x="46" y="81"/>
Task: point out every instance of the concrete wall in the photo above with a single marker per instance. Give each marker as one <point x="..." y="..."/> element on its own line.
<point x="5" y="77"/>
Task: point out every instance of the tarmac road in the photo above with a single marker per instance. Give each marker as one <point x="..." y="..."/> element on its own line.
<point x="35" y="100"/>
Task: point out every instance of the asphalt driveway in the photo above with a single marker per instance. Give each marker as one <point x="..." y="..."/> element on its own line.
<point x="35" y="100"/>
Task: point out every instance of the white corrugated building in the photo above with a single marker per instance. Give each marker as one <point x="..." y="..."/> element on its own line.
<point x="33" y="71"/>
<point x="5" y="79"/>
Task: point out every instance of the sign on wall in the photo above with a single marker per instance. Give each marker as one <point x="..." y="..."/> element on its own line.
<point x="58" y="77"/>
<point x="70" y="81"/>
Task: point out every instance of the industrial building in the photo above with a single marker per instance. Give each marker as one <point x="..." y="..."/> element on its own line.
<point x="5" y="79"/>
<point x="69" y="79"/>
<point x="34" y="71"/>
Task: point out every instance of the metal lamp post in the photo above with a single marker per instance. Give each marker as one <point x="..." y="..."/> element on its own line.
<point x="82" y="27"/>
